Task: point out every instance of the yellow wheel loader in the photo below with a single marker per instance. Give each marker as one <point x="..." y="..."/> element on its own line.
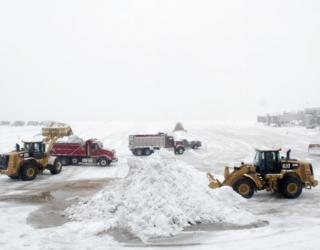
<point x="269" y="172"/>
<point x="25" y="163"/>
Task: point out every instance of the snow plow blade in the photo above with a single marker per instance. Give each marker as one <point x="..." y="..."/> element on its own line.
<point x="213" y="182"/>
<point x="314" y="149"/>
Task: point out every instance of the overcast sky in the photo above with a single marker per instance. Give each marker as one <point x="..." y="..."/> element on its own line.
<point x="157" y="60"/>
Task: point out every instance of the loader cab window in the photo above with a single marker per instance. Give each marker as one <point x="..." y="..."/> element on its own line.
<point x="35" y="149"/>
<point x="267" y="162"/>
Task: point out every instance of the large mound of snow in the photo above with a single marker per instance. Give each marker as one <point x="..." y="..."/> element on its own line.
<point x="159" y="197"/>
<point x="181" y="135"/>
<point x="71" y="139"/>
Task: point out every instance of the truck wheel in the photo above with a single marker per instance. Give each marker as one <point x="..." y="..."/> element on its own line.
<point x="74" y="161"/>
<point x="29" y="171"/>
<point x="103" y="162"/>
<point x="291" y="187"/>
<point x="64" y="160"/>
<point x="57" y="167"/>
<point x="138" y="152"/>
<point x="195" y="147"/>
<point x="244" y="187"/>
<point x="147" y="152"/>
<point x="179" y="151"/>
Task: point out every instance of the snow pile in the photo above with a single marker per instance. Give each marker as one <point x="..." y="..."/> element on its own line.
<point x="159" y="197"/>
<point x="180" y="135"/>
<point x="71" y="139"/>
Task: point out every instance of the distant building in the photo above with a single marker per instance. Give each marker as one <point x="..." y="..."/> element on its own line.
<point x="4" y="123"/>
<point x="32" y="123"/>
<point x="309" y="118"/>
<point x="18" y="123"/>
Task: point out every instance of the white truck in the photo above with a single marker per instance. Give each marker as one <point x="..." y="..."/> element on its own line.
<point x="146" y="144"/>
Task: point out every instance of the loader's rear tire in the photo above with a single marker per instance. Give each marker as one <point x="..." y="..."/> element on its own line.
<point x="57" y="167"/>
<point x="104" y="162"/>
<point x="29" y="171"/>
<point x="245" y="187"/>
<point x="290" y="187"/>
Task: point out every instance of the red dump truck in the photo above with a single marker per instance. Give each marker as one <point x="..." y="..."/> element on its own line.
<point x="90" y="151"/>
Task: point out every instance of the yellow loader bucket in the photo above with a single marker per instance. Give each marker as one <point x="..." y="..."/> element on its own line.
<point x="57" y="132"/>
<point x="213" y="182"/>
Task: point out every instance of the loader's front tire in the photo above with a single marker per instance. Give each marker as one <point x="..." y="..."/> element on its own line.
<point x="290" y="187"/>
<point x="57" y="167"/>
<point x="15" y="177"/>
<point x="29" y="171"/>
<point x="244" y="187"/>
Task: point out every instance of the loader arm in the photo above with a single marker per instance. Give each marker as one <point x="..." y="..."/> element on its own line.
<point x="51" y="135"/>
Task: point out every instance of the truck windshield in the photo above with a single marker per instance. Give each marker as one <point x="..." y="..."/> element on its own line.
<point x="100" y="145"/>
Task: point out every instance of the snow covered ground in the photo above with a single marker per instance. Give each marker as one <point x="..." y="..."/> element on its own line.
<point x="32" y="212"/>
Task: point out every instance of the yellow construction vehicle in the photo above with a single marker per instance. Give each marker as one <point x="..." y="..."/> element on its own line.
<point x="269" y="172"/>
<point x="25" y="163"/>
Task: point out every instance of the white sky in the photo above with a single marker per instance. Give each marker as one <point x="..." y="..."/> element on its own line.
<point x="166" y="59"/>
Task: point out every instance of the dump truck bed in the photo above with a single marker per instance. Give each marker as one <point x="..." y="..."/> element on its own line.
<point x="156" y="141"/>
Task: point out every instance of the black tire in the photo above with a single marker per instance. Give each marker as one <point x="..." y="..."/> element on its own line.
<point x="245" y="187"/>
<point x="104" y="162"/>
<point x="29" y="171"/>
<point x="14" y="177"/>
<point x="290" y="187"/>
<point x="138" y="152"/>
<point x="179" y="151"/>
<point x="195" y="147"/>
<point x="57" y="167"/>
<point x="65" y="161"/>
<point x="74" y="161"/>
<point x="147" y="152"/>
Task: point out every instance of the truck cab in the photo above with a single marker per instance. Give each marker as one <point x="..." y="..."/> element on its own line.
<point x="94" y="148"/>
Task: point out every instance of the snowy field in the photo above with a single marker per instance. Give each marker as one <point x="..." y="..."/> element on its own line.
<point x="33" y="213"/>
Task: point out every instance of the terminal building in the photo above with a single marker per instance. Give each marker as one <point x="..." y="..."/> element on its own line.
<point x="309" y="118"/>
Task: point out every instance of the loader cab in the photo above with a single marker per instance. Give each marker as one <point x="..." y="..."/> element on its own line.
<point x="267" y="161"/>
<point x="35" y="149"/>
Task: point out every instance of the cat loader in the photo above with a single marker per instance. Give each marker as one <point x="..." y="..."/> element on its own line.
<point x="25" y="163"/>
<point x="269" y="172"/>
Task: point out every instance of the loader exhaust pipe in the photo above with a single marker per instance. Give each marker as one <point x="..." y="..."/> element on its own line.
<point x="288" y="154"/>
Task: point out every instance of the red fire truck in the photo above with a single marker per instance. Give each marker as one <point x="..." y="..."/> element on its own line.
<point x="90" y="151"/>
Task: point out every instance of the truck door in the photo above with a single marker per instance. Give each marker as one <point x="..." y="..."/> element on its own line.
<point x="94" y="149"/>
